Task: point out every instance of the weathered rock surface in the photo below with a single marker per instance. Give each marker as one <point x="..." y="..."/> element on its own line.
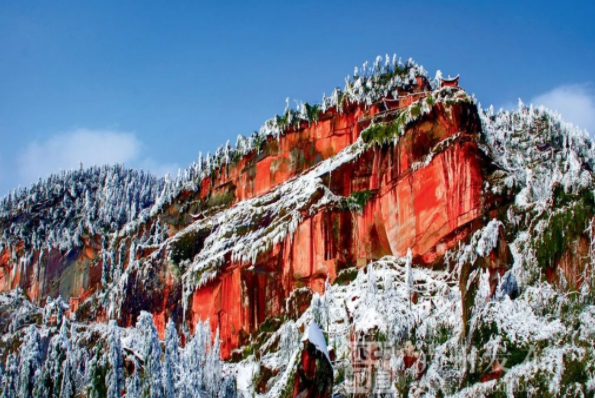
<point x="422" y="190"/>
<point x="428" y="207"/>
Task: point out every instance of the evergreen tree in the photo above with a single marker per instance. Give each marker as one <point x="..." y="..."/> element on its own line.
<point x="228" y="388"/>
<point x="115" y="375"/>
<point x="152" y="384"/>
<point x="30" y="358"/>
<point x="53" y="370"/>
<point x="318" y="309"/>
<point x="171" y="361"/>
<point x="67" y="388"/>
<point x="288" y="340"/>
<point x="43" y="383"/>
<point x="79" y="357"/>
<point x="409" y="275"/>
<point x="106" y="265"/>
<point x="97" y="373"/>
<point x="213" y="367"/>
<point x="11" y="377"/>
<point x="193" y="362"/>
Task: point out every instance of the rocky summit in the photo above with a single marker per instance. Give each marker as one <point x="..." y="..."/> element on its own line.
<point x="394" y="239"/>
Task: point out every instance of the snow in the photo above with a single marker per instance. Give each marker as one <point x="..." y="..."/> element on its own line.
<point x="519" y="324"/>
<point x="245" y="375"/>
<point x="488" y="240"/>
<point x="314" y="335"/>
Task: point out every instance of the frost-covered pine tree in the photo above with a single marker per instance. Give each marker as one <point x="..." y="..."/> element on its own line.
<point x="193" y="362"/>
<point x="79" y="357"/>
<point x="119" y="268"/>
<point x="227" y="153"/>
<point x="171" y="361"/>
<point x="152" y="383"/>
<point x="53" y="370"/>
<point x="10" y="377"/>
<point x="132" y="261"/>
<point x="64" y="340"/>
<point x="30" y="358"/>
<point x="96" y="373"/>
<point x="371" y="282"/>
<point x="288" y="340"/>
<point x="508" y="286"/>
<point x="213" y="368"/>
<point x="200" y="164"/>
<point x="208" y="162"/>
<point x="66" y="386"/>
<point x="106" y="265"/>
<point x="228" y="388"/>
<point x="318" y="310"/>
<point x="484" y="293"/>
<point x="43" y="382"/>
<point x="409" y="275"/>
<point x="115" y="376"/>
<point x="328" y="299"/>
<point x="163" y="234"/>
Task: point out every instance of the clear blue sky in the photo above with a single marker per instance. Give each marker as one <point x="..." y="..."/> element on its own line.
<point x="171" y="78"/>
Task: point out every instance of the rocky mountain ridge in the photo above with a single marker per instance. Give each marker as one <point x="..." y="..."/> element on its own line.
<point x="396" y="211"/>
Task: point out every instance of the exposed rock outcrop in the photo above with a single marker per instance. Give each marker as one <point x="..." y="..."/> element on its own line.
<point x="253" y="243"/>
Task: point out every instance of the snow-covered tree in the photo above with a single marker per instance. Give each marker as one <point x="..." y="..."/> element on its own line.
<point x="409" y="274"/>
<point x="96" y="372"/>
<point x="213" y="367"/>
<point x="318" y="309"/>
<point x="115" y="375"/>
<point x="508" y="286"/>
<point x="289" y="340"/>
<point x="30" y="358"/>
<point x="67" y="389"/>
<point x="10" y="378"/>
<point x="106" y="264"/>
<point x="152" y="381"/>
<point x="171" y="360"/>
<point x="193" y="359"/>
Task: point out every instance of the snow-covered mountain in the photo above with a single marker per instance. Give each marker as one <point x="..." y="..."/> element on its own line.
<point x="394" y="239"/>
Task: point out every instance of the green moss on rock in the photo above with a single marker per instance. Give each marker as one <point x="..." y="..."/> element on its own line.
<point x="564" y="226"/>
<point x="360" y="198"/>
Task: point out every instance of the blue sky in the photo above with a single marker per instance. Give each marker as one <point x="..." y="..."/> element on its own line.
<point x="151" y="83"/>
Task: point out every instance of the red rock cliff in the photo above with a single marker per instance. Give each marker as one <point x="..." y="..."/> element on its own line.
<point x="421" y="190"/>
<point x="425" y="194"/>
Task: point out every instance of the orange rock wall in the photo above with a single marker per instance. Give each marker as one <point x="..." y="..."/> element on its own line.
<point x="427" y="207"/>
<point x="70" y="273"/>
<point x="426" y="194"/>
<point x="76" y="273"/>
<point x="295" y="151"/>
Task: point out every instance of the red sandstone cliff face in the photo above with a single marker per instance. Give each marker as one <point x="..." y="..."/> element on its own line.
<point x="77" y="272"/>
<point x="72" y="273"/>
<point x="423" y="191"/>
<point x="426" y="207"/>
